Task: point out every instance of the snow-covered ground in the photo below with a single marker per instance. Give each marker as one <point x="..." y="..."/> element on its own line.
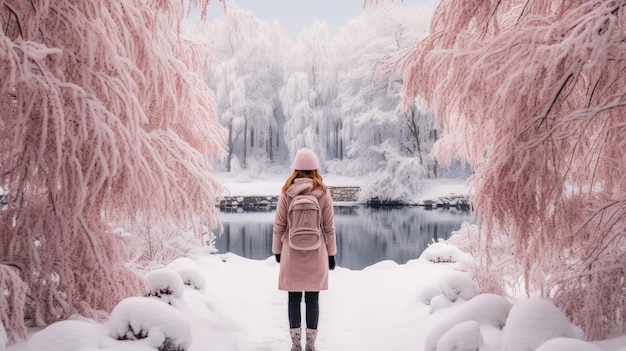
<point x="226" y="302"/>
<point x="415" y="306"/>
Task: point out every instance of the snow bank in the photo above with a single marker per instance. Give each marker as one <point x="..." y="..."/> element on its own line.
<point x="533" y="321"/>
<point x="487" y="309"/>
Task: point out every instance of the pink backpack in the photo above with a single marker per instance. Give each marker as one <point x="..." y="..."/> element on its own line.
<point x="304" y="221"/>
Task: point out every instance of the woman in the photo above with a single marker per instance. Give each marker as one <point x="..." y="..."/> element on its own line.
<point x="304" y="270"/>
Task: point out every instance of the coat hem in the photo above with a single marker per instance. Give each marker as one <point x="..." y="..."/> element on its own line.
<point x="303" y="289"/>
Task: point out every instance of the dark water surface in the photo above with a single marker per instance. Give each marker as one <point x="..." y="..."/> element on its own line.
<point x="365" y="235"/>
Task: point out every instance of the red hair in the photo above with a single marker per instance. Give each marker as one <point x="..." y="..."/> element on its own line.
<point x="318" y="182"/>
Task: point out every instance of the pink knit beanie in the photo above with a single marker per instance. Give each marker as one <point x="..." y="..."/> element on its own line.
<point x="305" y="160"/>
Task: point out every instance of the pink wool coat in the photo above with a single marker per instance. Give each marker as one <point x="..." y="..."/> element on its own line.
<point x="303" y="270"/>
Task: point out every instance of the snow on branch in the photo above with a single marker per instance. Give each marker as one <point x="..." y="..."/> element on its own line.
<point x="532" y="95"/>
<point x="105" y="120"/>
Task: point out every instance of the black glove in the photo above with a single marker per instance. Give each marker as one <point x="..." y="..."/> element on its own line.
<point x="331" y="262"/>
<point x="277" y="257"/>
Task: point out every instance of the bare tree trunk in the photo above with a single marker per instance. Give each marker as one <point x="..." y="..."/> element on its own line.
<point x="435" y="163"/>
<point x="229" y="157"/>
<point x="244" y="152"/>
<point x="338" y="141"/>
<point x="415" y="132"/>
<point x="251" y="138"/>
<point x="269" y="147"/>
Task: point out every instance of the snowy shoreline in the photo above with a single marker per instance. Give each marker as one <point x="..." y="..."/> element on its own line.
<point x="264" y="192"/>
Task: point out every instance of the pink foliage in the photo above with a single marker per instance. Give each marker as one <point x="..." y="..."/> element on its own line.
<point x="104" y="120"/>
<point x="533" y="95"/>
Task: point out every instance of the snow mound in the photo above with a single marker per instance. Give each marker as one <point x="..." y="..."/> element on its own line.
<point x="440" y="302"/>
<point x="455" y="284"/>
<point x="439" y="252"/>
<point x="452" y="286"/>
<point x="159" y="324"/>
<point x="427" y="293"/>
<point x="68" y="335"/>
<point x="487" y="309"/>
<point x="165" y="284"/>
<point x="192" y="277"/>
<point x="189" y="272"/>
<point x="560" y="344"/>
<point x="533" y="321"/>
<point x="464" y="336"/>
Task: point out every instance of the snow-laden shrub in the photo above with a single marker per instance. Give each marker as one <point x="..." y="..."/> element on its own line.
<point x="464" y="336"/>
<point x="165" y="284"/>
<point x="487" y="309"/>
<point x="189" y="272"/>
<point x="455" y="284"/>
<point x="397" y="177"/>
<point x="560" y="344"/>
<point x="161" y="325"/>
<point x="533" y="321"/>
<point x="163" y="242"/>
<point x="440" y="251"/>
<point x="494" y="271"/>
<point x="192" y="277"/>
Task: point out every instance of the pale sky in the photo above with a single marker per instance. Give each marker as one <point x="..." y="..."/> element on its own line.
<point x="294" y="15"/>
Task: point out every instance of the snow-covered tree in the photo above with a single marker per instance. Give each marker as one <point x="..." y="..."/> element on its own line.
<point x="309" y="96"/>
<point x="533" y="95"/>
<point x="246" y="75"/>
<point x="105" y="121"/>
<point x="379" y="135"/>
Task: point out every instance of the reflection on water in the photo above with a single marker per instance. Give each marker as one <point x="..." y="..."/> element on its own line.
<point x="365" y="235"/>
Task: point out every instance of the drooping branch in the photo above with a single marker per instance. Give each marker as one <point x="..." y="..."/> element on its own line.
<point x="106" y="121"/>
<point x="537" y="105"/>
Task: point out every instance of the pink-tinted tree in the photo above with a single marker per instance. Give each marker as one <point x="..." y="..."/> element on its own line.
<point x="104" y="121"/>
<point x="533" y="95"/>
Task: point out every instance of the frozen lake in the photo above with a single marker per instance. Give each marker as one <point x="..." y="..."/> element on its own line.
<point x="365" y="235"/>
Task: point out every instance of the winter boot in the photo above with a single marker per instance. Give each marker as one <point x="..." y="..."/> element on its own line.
<point x="296" y="339"/>
<point x="311" y="335"/>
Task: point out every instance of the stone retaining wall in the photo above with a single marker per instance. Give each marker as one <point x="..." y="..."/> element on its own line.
<point x="340" y="194"/>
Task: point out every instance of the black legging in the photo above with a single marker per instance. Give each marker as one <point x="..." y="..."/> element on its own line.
<point x="311" y="298"/>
